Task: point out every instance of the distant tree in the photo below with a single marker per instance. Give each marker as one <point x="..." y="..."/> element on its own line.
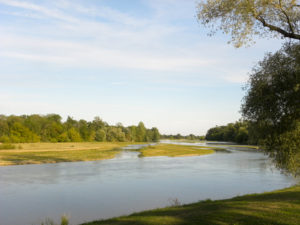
<point x="53" y="118"/>
<point x="50" y="128"/>
<point x="245" y="18"/>
<point x="92" y="136"/>
<point x="4" y="128"/>
<point x="155" y="134"/>
<point x="120" y="125"/>
<point x="84" y="130"/>
<point x="133" y="133"/>
<point x="127" y="133"/>
<point x="20" y="133"/>
<point x="35" y="123"/>
<point x="74" y="135"/>
<point x="64" y="137"/>
<point x="115" y="134"/>
<point x="100" y="135"/>
<point x="141" y="132"/>
<point x="178" y="136"/>
<point x="202" y="138"/>
<point x="53" y="130"/>
<point x="70" y="123"/>
<point x="241" y="135"/>
<point x="232" y="132"/>
<point x="98" y="123"/>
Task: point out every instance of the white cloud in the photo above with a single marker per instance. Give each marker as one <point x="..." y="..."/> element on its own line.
<point x="86" y="55"/>
<point x="43" y="10"/>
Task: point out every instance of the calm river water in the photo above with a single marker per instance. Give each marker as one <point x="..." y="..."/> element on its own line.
<point x="101" y="189"/>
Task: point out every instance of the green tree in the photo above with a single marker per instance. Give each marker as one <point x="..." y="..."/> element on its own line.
<point x="133" y="133"/>
<point x="63" y="137"/>
<point x="49" y="128"/>
<point x="70" y="123"/>
<point x="74" y="135"/>
<point x="241" y="135"/>
<point x="245" y="18"/>
<point x="98" y="123"/>
<point x="141" y="132"/>
<point x="272" y="105"/>
<point x="53" y="130"/>
<point x="100" y="135"/>
<point x="84" y="130"/>
<point x="115" y="134"/>
<point x="4" y="128"/>
<point x="20" y="133"/>
<point x="155" y="134"/>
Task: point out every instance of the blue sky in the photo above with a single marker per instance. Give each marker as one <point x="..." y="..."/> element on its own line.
<point x="125" y="61"/>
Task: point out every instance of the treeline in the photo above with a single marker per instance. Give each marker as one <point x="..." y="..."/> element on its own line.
<point x="179" y="136"/>
<point x="239" y="132"/>
<point x="50" y="128"/>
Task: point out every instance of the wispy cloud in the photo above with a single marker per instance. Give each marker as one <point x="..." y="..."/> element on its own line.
<point x="77" y="39"/>
<point x="71" y="53"/>
<point x="54" y="13"/>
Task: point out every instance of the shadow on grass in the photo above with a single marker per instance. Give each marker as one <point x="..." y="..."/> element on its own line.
<point x="56" y="157"/>
<point x="29" y="159"/>
<point x="275" y="208"/>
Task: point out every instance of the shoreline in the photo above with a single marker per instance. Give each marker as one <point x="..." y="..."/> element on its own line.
<point x="50" y="153"/>
<point x="278" y="207"/>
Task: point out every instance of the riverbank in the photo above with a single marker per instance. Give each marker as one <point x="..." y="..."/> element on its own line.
<point x="172" y="150"/>
<point x="39" y="153"/>
<point x="281" y="207"/>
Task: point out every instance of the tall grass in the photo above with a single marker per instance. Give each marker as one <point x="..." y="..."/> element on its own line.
<point x="64" y="221"/>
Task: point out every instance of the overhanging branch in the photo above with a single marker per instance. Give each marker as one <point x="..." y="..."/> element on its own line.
<point x="278" y="29"/>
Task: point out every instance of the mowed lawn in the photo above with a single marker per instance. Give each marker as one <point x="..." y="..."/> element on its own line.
<point x="273" y="208"/>
<point x="37" y="153"/>
<point x="172" y="150"/>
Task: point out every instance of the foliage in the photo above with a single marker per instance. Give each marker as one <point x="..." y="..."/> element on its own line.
<point x="64" y="221"/>
<point x="233" y="132"/>
<point x="50" y="128"/>
<point x="245" y="18"/>
<point x="272" y="105"/>
<point x="190" y="137"/>
<point x="100" y="135"/>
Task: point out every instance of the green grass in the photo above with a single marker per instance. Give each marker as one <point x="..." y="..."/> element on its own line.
<point x="38" y="153"/>
<point x="242" y="146"/>
<point x="273" y="208"/>
<point x="173" y="150"/>
<point x="7" y="146"/>
<point x="186" y="140"/>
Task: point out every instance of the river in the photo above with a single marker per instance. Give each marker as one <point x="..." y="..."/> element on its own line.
<point x="88" y="191"/>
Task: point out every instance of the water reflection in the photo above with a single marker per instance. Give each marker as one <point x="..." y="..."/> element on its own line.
<point x="102" y="189"/>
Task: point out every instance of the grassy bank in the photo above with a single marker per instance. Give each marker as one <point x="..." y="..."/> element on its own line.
<point x="242" y="146"/>
<point x="184" y="140"/>
<point x="38" y="153"/>
<point x="273" y="208"/>
<point x="172" y="150"/>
